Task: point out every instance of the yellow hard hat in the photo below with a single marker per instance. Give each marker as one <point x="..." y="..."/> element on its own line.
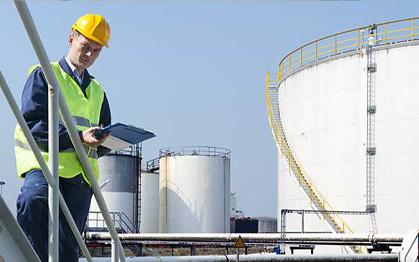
<point x="93" y="27"/>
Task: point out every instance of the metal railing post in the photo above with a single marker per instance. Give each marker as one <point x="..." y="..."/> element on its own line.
<point x="301" y="60"/>
<point x="289" y="72"/>
<point x="114" y="251"/>
<point x="53" y="199"/>
<point x="336" y="44"/>
<point x="411" y="30"/>
<point x="65" y="113"/>
<point x="282" y="71"/>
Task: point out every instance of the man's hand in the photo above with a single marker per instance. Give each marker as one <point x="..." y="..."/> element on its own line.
<point x="88" y="138"/>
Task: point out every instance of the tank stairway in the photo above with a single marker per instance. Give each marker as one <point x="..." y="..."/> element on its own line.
<point x="317" y="200"/>
<point x="121" y="222"/>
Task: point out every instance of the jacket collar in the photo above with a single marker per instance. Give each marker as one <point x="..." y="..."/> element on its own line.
<point x="86" y="79"/>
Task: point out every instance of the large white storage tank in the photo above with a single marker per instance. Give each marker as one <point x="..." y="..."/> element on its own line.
<point x="119" y="175"/>
<point x="195" y="190"/>
<point x="323" y="110"/>
<point x="149" y="215"/>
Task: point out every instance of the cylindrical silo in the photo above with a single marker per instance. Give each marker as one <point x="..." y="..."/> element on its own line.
<point x="119" y="177"/>
<point x="149" y="215"/>
<point x="195" y="190"/>
<point x="323" y="113"/>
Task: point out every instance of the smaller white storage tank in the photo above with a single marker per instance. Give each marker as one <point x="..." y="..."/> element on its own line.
<point x="149" y="216"/>
<point x="119" y="177"/>
<point x="195" y="190"/>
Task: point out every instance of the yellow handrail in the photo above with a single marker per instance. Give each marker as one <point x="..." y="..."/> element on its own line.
<point x="294" y="164"/>
<point x="315" y="50"/>
<point x="297" y="166"/>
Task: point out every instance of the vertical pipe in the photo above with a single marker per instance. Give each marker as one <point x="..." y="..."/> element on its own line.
<point x="302" y="221"/>
<point x="53" y="200"/>
<point x="163" y="227"/>
<point x="227" y="193"/>
<point x="114" y="251"/>
<point x="138" y="184"/>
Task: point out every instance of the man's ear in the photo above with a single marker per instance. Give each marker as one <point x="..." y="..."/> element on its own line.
<point x="70" y="40"/>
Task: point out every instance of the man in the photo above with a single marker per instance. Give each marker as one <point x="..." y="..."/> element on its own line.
<point x="90" y="110"/>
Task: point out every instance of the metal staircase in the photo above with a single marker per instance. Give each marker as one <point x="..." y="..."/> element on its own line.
<point x="317" y="200"/>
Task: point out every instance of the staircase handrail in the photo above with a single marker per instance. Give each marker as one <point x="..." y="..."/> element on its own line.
<point x="117" y="217"/>
<point x="121" y="216"/>
<point x="314" y="191"/>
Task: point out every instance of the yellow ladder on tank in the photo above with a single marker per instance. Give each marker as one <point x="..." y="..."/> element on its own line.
<point x="306" y="184"/>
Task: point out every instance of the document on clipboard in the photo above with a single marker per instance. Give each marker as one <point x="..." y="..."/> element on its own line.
<point x="123" y="136"/>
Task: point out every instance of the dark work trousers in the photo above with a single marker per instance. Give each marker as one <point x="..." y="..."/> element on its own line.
<point x="32" y="213"/>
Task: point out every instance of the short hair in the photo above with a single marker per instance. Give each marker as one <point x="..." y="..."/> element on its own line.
<point x="76" y="34"/>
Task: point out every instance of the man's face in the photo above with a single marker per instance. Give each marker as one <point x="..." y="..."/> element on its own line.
<point x="83" y="51"/>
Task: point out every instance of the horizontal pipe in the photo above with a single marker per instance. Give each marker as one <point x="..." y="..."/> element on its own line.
<point x="263" y="257"/>
<point x="397" y="238"/>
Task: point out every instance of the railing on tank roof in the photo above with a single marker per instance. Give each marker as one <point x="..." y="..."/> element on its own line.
<point x="195" y="150"/>
<point x="385" y="34"/>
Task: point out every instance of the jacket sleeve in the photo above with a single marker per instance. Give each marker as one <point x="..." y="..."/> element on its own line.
<point x="105" y="120"/>
<point x="35" y="111"/>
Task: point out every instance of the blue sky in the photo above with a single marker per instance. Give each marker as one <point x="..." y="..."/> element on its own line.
<point x="193" y="72"/>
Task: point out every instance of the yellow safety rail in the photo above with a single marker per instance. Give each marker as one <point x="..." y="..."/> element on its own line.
<point x="314" y="194"/>
<point x="296" y="166"/>
<point x="351" y="40"/>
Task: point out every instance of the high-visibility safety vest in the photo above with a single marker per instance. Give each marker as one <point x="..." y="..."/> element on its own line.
<point x="85" y="113"/>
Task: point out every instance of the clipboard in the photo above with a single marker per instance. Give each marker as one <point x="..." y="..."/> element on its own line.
<point x="123" y="136"/>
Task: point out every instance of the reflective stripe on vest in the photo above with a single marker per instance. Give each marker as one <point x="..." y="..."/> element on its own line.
<point x="85" y="114"/>
<point x="91" y="152"/>
<point x="79" y="121"/>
